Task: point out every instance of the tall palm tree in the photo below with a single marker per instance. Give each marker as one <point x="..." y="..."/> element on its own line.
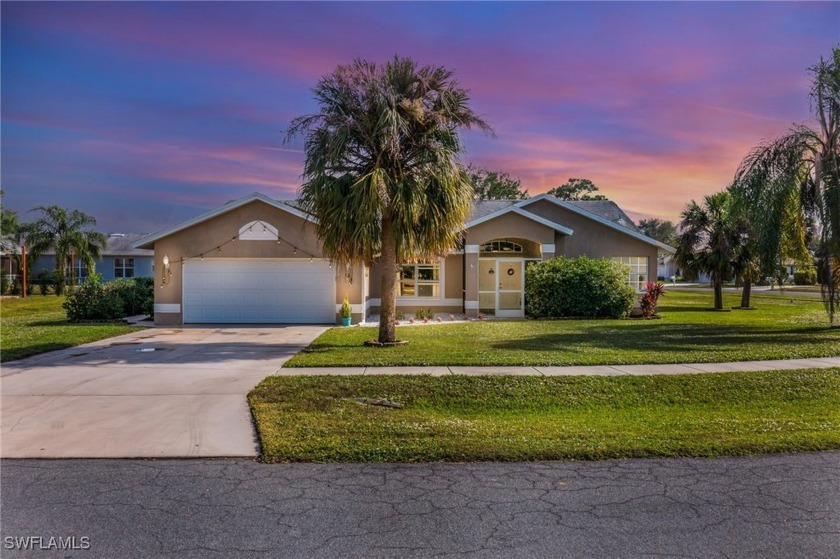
<point x="382" y="173"/>
<point x="799" y="174"/>
<point x="67" y="232"/>
<point x="710" y="240"/>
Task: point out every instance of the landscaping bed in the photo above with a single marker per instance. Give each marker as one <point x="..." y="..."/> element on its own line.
<point x="507" y="418"/>
<point x="39" y="324"/>
<point x="687" y="332"/>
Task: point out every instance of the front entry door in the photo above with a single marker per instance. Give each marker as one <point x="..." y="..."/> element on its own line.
<point x="510" y="288"/>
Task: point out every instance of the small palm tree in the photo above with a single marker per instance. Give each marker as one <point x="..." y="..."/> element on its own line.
<point x="710" y="240"/>
<point x="799" y="175"/>
<point x="67" y="232"/>
<point x="382" y="173"/>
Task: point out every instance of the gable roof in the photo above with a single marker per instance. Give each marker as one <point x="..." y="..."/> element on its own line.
<point x="606" y="212"/>
<point x="606" y="209"/>
<point x="149" y="241"/>
<point x="513" y="207"/>
<point x="123" y="244"/>
<point x="118" y="244"/>
<point x="582" y="208"/>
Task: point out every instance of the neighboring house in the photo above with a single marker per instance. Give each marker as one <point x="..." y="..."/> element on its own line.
<point x="9" y="253"/>
<point x="667" y="266"/>
<point x="120" y="259"/>
<point x="258" y="260"/>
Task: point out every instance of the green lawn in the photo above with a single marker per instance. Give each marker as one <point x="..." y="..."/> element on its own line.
<point x="505" y="418"/>
<point x="687" y="332"/>
<point x="38" y="324"/>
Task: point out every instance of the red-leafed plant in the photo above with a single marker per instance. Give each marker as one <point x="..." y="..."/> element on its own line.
<point x="650" y="300"/>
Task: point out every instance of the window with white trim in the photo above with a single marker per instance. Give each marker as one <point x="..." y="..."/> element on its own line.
<point x="79" y="271"/>
<point x="420" y="280"/>
<point x="637" y="278"/>
<point x="123" y="267"/>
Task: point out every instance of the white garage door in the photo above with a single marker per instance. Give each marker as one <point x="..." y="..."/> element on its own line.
<point x="241" y="291"/>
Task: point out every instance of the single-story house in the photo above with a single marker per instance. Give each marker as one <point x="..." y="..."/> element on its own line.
<point x="120" y="259"/>
<point x="258" y="260"/>
<point x="9" y="254"/>
<point x="667" y="267"/>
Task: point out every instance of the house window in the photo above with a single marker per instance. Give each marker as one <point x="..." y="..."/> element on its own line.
<point x="79" y="271"/>
<point x="501" y="246"/>
<point x="123" y="267"/>
<point x="638" y="276"/>
<point x="420" y="280"/>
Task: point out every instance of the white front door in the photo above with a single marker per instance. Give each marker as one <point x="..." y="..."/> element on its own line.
<point x="258" y="290"/>
<point x="510" y="287"/>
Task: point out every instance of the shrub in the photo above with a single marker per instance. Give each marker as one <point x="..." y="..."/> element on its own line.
<point x="650" y="300"/>
<point x="58" y="281"/>
<point x="15" y="290"/>
<point x="137" y="294"/>
<point x="5" y="283"/>
<point x="91" y="301"/>
<point x="43" y="281"/>
<point x="145" y="296"/>
<point x="578" y="287"/>
<point x="424" y="314"/>
<point x="805" y="276"/>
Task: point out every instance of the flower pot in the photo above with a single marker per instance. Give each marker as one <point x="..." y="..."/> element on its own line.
<point x="346" y="321"/>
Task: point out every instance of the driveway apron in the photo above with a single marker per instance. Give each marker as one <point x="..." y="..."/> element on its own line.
<point x="175" y="392"/>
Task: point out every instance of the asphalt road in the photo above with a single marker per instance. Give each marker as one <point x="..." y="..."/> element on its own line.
<point x="770" y="506"/>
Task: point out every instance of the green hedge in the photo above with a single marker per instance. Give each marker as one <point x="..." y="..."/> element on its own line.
<point x="94" y="300"/>
<point x="805" y="276"/>
<point x="578" y="287"/>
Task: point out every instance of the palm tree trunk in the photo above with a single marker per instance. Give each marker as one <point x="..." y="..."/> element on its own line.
<point x="718" y="283"/>
<point x="388" y="308"/>
<point x="745" y="294"/>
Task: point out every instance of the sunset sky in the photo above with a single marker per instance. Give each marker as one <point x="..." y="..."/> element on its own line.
<point x="145" y="114"/>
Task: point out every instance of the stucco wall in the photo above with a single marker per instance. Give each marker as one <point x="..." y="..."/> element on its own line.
<point x="510" y="226"/>
<point x="207" y="236"/>
<point x="591" y="238"/>
<point x="452" y="288"/>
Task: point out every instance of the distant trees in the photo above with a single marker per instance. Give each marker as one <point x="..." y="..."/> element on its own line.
<point x="710" y="240"/>
<point x="9" y="232"/>
<point x="495" y="185"/>
<point x="662" y="230"/>
<point x="67" y="232"/>
<point x="9" y="221"/>
<point x="577" y="189"/>
<point x="792" y="183"/>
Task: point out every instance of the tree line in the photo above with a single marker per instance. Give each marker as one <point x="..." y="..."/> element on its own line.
<point x="69" y="233"/>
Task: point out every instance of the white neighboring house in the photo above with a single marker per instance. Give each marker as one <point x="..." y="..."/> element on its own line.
<point x="666" y="267"/>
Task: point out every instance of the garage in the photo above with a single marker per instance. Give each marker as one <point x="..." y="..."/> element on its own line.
<point x="263" y="291"/>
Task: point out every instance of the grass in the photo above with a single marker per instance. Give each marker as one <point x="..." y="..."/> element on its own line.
<point x="39" y="324"/>
<point x="687" y="332"/>
<point x="506" y="418"/>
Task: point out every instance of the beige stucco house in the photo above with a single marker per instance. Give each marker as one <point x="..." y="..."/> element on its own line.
<point x="258" y="260"/>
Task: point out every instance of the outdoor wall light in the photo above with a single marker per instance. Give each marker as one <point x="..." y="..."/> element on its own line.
<point x="167" y="272"/>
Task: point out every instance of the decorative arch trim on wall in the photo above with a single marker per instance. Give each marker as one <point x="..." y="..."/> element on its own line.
<point x="258" y="231"/>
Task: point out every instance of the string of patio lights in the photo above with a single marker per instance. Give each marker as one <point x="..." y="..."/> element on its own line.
<point x="218" y="249"/>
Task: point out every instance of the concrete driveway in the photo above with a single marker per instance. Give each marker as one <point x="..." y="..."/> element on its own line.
<point x="155" y="393"/>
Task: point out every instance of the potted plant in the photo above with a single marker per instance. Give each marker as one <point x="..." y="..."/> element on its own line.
<point x="346" y="312"/>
